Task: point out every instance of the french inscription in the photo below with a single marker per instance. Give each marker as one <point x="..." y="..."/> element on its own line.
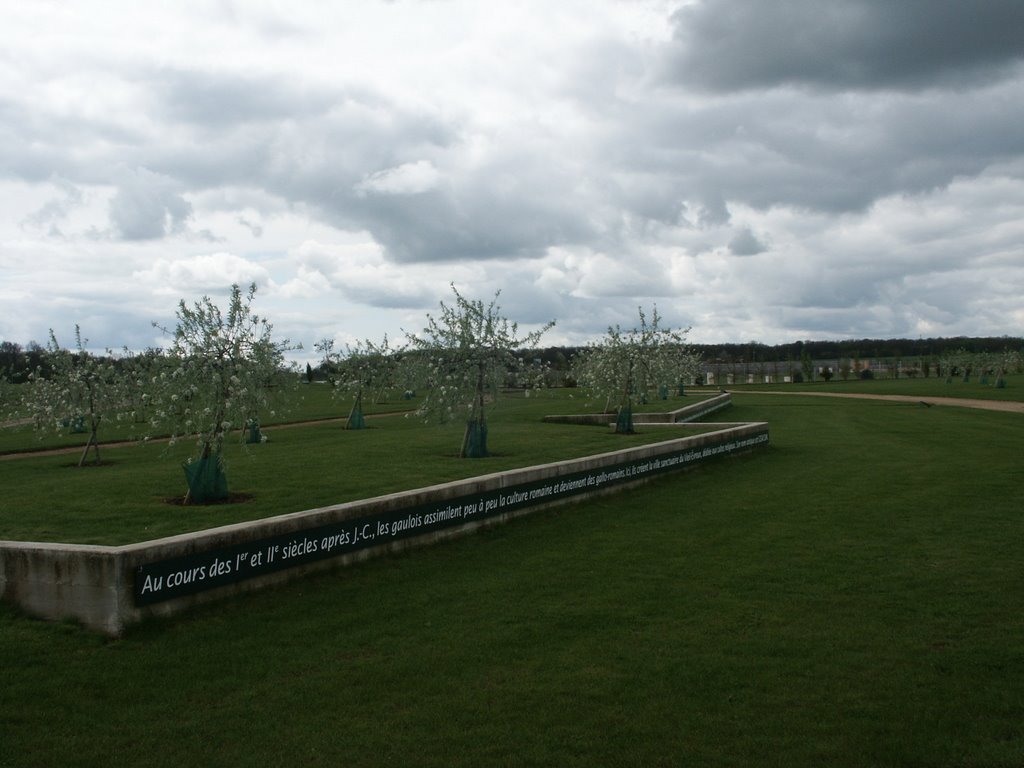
<point x="191" y="574"/>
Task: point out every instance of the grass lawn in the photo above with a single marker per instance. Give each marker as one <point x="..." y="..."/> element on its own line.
<point x="918" y="387"/>
<point x="127" y="498"/>
<point x="308" y="402"/>
<point x="852" y="595"/>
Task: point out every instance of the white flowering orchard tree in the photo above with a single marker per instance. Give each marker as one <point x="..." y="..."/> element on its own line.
<point x="366" y="368"/>
<point x="76" y="390"/>
<point x="1007" y="361"/>
<point x="626" y="364"/>
<point x="461" y="360"/>
<point x="139" y="369"/>
<point x="220" y="371"/>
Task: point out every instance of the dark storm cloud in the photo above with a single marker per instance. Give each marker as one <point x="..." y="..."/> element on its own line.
<point x="834" y="153"/>
<point x="733" y="45"/>
<point x="745" y="243"/>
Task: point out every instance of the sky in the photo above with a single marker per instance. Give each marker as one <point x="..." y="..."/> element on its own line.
<point x="770" y="172"/>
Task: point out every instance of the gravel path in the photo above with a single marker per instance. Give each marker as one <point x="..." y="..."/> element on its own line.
<point x="1010" y="406"/>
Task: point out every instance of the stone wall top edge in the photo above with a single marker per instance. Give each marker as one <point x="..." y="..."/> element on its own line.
<point x="49" y="546"/>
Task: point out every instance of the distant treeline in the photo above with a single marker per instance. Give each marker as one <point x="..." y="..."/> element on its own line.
<point x="857" y="349"/>
<point x="16" y="362"/>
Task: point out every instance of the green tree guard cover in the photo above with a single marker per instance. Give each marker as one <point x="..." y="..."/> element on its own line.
<point x="206" y="480"/>
<point x="255" y="435"/>
<point x="624" y="421"/>
<point x="356" y="420"/>
<point x="474" y="443"/>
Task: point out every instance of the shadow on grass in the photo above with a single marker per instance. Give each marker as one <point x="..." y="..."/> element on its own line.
<point x="232" y="498"/>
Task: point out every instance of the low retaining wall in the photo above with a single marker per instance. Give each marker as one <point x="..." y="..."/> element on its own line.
<point x="110" y="588"/>
<point x="682" y="415"/>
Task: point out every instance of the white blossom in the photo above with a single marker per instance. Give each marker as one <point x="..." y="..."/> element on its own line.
<point x="628" y="364"/>
<point x="76" y="389"/>
<point x="463" y="357"/>
<point x="220" y="370"/>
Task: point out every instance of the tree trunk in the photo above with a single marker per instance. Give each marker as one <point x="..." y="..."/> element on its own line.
<point x="93" y="443"/>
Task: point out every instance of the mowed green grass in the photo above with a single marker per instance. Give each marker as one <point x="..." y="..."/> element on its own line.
<point x="131" y="496"/>
<point x="920" y="386"/>
<point x="851" y="595"/>
<point x="306" y="402"/>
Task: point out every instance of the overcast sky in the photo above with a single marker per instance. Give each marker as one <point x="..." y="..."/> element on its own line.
<point x="767" y="171"/>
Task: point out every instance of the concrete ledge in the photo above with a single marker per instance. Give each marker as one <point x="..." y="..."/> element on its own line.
<point x="110" y="588"/>
<point x="682" y="415"/>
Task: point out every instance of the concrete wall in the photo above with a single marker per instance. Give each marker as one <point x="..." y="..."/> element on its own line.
<point x="691" y="412"/>
<point x="110" y="588"/>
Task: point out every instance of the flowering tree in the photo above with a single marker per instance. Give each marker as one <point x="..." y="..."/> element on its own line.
<point x="366" y="367"/>
<point x="962" y="363"/>
<point x="219" y="371"/>
<point x="1008" y="360"/>
<point x="139" y="369"/>
<point x="77" y="390"/>
<point x="626" y="364"/>
<point x="464" y="355"/>
<point x="330" y="360"/>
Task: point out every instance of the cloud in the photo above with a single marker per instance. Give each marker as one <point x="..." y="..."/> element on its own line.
<point x="54" y="212"/>
<point x="745" y="243"/>
<point x="732" y="45"/>
<point x="148" y="206"/>
<point x="405" y="179"/>
<point x="586" y="274"/>
<point x="360" y="271"/>
<point x="213" y="101"/>
<point x="212" y="272"/>
<point x="306" y="284"/>
<point x="256" y="229"/>
<point x="583" y="157"/>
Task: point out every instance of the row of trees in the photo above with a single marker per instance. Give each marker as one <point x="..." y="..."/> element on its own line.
<point x="470" y="350"/>
<point x="994" y="366"/>
<point x="222" y="369"/>
<point x="628" y="364"/>
<point x="960" y="363"/>
<point x="219" y="370"/>
<point x="459" y="361"/>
